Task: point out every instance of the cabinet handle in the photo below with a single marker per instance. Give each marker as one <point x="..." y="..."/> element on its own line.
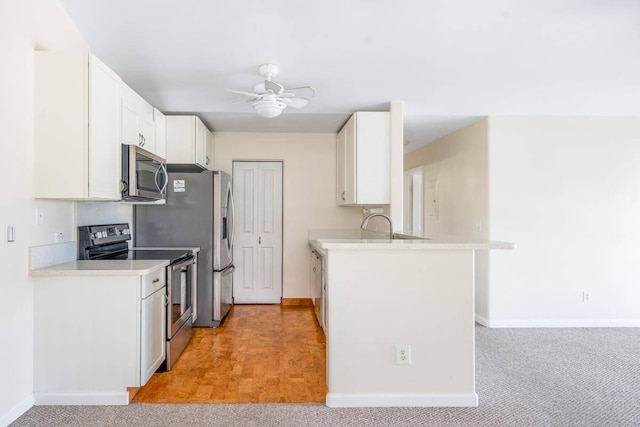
<point x="314" y="269"/>
<point x="207" y="162"/>
<point x="156" y="280"/>
<point x="259" y="240"/>
<point x="343" y="196"/>
<point x="143" y="140"/>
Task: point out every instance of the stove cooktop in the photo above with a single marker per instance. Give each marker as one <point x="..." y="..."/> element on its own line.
<point x="171" y="255"/>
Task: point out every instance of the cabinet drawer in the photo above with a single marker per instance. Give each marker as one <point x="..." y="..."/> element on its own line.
<point x="152" y="282"/>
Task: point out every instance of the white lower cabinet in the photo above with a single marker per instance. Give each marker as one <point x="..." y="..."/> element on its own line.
<point x="95" y="335"/>
<point x="153" y="348"/>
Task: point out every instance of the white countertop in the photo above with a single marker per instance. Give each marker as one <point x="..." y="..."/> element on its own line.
<point x="321" y="240"/>
<point x="408" y="244"/>
<point x="114" y="267"/>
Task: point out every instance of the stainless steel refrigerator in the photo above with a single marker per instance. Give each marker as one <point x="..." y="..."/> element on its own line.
<point x="198" y="212"/>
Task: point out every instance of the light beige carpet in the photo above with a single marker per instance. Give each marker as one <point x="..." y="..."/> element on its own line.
<point x="525" y="377"/>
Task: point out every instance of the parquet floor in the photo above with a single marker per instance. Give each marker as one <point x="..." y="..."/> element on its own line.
<point x="262" y="353"/>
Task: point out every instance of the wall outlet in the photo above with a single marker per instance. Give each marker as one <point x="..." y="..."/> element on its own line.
<point x="58" y="236"/>
<point x="586" y="296"/>
<point x="403" y="355"/>
<point x="477" y="225"/>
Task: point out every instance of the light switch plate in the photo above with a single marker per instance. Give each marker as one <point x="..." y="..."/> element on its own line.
<point x="39" y="216"/>
<point x="10" y="233"/>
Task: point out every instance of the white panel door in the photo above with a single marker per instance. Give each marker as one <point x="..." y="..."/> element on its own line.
<point x="257" y="250"/>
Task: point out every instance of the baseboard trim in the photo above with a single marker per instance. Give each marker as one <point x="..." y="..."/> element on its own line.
<point x="82" y="398"/>
<point x="481" y="320"/>
<point x="397" y="400"/>
<point x="17" y="411"/>
<point x="558" y="323"/>
<point x="297" y="302"/>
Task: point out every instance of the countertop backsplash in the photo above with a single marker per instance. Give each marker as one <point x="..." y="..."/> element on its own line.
<point x="48" y="255"/>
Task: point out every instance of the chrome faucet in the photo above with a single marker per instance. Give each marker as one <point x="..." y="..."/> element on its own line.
<point x="365" y="223"/>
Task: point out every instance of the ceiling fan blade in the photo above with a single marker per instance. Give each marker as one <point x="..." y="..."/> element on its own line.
<point x="295" y="102"/>
<point x="240" y="101"/>
<point x="252" y="95"/>
<point x="303" y="91"/>
<point x="273" y="86"/>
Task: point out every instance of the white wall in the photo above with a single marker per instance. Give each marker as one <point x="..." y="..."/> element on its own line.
<point x="91" y="213"/>
<point x="23" y="25"/>
<point x="309" y="191"/>
<point x="567" y="191"/>
<point x="429" y="307"/>
<point x="459" y="162"/>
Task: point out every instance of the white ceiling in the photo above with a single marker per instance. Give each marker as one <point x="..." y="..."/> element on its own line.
<point x="450" y="61"/>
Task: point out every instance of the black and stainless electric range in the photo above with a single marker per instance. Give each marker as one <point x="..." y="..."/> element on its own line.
<point x="111" y="241"/>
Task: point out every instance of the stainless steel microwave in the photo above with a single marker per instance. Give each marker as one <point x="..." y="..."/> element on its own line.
<point x="144" y="175"/>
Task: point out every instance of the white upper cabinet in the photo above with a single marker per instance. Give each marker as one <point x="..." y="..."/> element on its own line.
<point x="210" y="151"/>
<point x="77" y="127"/>
<point x="186" y="143"/>
<point x="138" y="127"/>
<point x="364" y="160"/>
<point x="160" y="139"/>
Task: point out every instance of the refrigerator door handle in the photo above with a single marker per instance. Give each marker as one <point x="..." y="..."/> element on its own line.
<point x="228" y="270"/>
<point x="233" y="219"/>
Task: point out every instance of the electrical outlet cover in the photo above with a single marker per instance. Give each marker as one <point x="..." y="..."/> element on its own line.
<point x="403" y="355"/>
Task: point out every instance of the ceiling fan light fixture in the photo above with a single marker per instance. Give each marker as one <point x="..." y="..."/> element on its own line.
<point x="270" y="98"/>
<point x="269" y="108"/>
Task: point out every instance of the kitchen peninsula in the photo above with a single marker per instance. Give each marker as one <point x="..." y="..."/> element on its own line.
<point x="387" y="296"/>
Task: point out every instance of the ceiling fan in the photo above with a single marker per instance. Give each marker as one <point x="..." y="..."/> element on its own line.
<point x="270" y="98"/>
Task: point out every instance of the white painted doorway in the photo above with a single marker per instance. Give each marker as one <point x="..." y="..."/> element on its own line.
<point x="257" y="249"/>
<point x="413" y="214"/>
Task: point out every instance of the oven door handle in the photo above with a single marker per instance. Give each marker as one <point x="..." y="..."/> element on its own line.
<point x="175" y="267"/>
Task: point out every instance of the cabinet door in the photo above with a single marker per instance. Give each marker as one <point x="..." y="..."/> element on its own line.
<point x="153" y="348"/>
<point x="340" y="167"/>
<point x="138" y="126"/>
<point x="160" y="139"/>
<point x="201" y="143"/>
<point x="210" y="149"/>
<point x="76" y="129"/>
<point x="372" y="154"/>
<point x="130" y="132"/>
<point x="104" y="131"/>
<point x="350" y="161"/>
<point x="148" y="134"/>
